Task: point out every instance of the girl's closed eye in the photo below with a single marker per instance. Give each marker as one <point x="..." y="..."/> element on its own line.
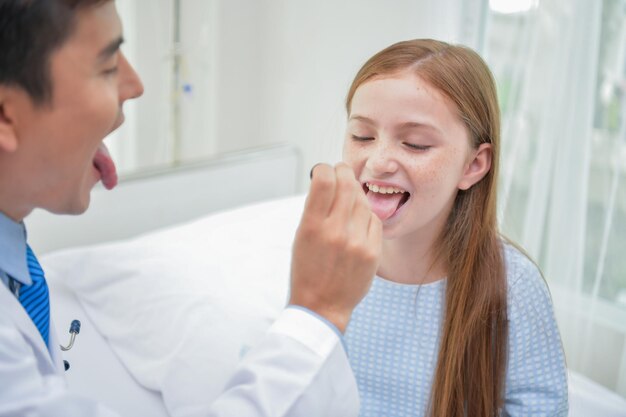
<point x="417" y="147"/>
<point x="362" y="138"/>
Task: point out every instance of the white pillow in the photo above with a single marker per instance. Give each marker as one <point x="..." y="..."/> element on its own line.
<point x="180" y="306"/>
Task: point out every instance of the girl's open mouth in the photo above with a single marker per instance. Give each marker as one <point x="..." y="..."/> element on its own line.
<point x="385" y="201"/>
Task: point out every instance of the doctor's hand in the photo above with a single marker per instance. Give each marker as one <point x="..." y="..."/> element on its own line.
<point x="337" y="246"/>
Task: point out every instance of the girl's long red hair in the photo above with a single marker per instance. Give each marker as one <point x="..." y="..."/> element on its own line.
<point x="471" y="366"/>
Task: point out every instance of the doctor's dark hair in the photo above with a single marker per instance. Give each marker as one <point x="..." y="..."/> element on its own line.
<point x="471" y="365"/>
<point x="30" y="30"/>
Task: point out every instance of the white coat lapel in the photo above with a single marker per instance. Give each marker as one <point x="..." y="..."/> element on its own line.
<point x="11" y="308"/>
<point x="55" y="350"/>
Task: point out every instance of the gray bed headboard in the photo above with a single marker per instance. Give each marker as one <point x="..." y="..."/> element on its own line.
<point x="152" y="200"/>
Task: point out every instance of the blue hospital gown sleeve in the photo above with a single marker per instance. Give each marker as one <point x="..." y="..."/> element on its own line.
<point x="536" y="381"/>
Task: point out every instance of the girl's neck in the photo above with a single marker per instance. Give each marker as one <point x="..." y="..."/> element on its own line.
<point x="411" y="261"/>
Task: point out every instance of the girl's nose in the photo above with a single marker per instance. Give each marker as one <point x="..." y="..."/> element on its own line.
<point x="382" y="160"/>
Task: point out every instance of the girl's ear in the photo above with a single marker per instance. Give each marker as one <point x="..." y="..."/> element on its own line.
<point x="477" y="168"/>
<point x="8" y="137"/>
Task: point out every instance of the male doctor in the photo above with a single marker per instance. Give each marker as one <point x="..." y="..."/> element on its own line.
<point x="63" y="80"/>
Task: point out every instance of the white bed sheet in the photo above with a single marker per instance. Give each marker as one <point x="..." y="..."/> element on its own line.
<point x="589" y="399"/>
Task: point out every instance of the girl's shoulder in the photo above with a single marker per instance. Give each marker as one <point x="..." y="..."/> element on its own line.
<point x="526" y="285"/>
<point x="536" y="381"/>
<point x="518" y="265"/>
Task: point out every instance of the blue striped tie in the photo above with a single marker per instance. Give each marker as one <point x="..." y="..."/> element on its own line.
<point x="35" y="297"/>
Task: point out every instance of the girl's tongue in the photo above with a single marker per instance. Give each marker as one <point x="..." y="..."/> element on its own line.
<point x="106" y="167"/>
<point x="384" y="205"/>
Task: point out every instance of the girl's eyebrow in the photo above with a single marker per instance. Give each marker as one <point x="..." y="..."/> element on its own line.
<point x="404" y="126"/>
<point x="363" y="119"/>
<point x="418" y="125"/>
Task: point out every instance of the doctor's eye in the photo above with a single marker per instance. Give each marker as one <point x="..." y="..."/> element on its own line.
<point x="111" y="71"/>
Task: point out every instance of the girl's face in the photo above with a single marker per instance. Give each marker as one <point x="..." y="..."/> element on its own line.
<point x="411" y="151"/>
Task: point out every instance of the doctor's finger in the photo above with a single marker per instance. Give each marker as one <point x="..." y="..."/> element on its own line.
<point x="345" y="194"/>
<point x="321" y="192"/>
<point x="360" y="218"/>
<point x="375" y="233"/>
<point x="361" y="197"/>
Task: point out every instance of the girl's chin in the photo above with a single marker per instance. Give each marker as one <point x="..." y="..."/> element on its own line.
<point x="393" y="231"/>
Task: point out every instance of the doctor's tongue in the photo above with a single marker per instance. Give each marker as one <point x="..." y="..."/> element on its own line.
<point x="105" y="166"/>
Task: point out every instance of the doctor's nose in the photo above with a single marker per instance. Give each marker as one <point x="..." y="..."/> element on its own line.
<point x="130" y="85"/>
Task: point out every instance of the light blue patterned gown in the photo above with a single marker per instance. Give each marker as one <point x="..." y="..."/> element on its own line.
<point x="393" y="341"/>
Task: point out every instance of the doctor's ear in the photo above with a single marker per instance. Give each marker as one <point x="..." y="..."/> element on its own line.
<point x="8" y="137"/>
<point x="478" y="166"/>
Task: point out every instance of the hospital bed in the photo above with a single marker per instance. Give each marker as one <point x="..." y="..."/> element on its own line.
<point x="174" y="276"/>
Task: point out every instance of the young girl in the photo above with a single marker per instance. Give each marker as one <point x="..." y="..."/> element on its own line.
<point x="457" y="322"/>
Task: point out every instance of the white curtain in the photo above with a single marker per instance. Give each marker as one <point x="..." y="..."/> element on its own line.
<point x="559" y="65"/>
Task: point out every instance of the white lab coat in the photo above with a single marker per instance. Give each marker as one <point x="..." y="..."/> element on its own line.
<point x="299" y="369"/>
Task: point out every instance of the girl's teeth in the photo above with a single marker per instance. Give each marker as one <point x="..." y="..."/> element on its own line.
<point x="383" y="190"/>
